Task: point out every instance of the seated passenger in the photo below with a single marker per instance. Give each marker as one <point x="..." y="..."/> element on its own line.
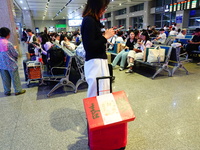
<point x="111" y="42"/>
<point x="57" y="38"/>
<point x="43" y="47"/>
<point x="65" y="41"/>
<point x="182" y="34"/>
<point x="173" y="32"/>
<point x="194" y="43"/>
<point x="77" y="38"/>
<point x="122" y="56"/>
<point x="119" y="38"/>
<point x="139" y="50"/>
<point x="161" y="37"/>
<point x="154" y="33"/>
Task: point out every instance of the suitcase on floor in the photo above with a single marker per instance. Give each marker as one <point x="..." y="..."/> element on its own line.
<point x="34" y="70"/>
<point x="107" y="117"/>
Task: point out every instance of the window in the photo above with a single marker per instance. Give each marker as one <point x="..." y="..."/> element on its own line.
<point x="165" y="18"/>
<point x="137" y="22"/>
<point x="120" y="12"/>
<point x="159" y="3"/>
<point x="122" y="22"/>
<point x="194" y="19"/>
<point x="137" y="8"/>
<point x="108" y="24"/>
<point x="158" y="17"/>
<point x="167" y="2"/>
<point x="107" y="15"/>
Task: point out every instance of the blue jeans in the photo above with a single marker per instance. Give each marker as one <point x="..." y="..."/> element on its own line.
<point x="121" y="56"/>
<point x="8" y="76"/>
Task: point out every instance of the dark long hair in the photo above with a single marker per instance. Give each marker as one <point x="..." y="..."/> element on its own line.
<point x="94" y="7"/>
<point x="62" y="37"/>
<point x="146" y="35"/>
<point x="44" y="37"/>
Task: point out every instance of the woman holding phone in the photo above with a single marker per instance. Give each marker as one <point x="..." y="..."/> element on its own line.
<point x="96" y="64"/>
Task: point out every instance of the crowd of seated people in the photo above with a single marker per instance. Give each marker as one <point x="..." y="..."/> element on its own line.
<point x="137" y="41"/>
<point x="44" y="41"/>
<point x="122" y="56"/>
<point x="39" y="46"/>
<point x="134" y="41"/>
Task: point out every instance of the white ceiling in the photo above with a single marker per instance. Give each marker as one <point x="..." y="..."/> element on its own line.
<point x="72" y="10"/>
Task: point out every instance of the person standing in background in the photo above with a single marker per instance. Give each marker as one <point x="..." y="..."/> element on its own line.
<point x="45" y="30"/>
<point x="96" y="63"/>
<point x="24" y="35"/>
<point x="8" y="64"/>
<point x="31" y="36"/>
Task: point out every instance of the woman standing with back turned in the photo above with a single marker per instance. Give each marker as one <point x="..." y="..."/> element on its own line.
<point x="8" y="64"/>
<point x="96" y="64"/>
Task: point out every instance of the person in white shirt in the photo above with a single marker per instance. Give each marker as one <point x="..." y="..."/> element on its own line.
<point x="161" y="37"/>
<point x="57" y="38"/>
<point x="111" y="42"/>
<point x="166" y="27"/>
<point x="173" y="32"/>
<point x="31" y="36"/>
<point x="66" y="42"/>
<point x="119" y="38"/>
<point x="182" y="34"/>
<point x="174" y="26"/>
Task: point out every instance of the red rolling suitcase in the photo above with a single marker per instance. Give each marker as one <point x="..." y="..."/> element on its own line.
<point x="107" y="117"/>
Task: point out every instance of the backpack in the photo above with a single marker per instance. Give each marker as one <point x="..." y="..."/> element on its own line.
<point x="56" y="58"/>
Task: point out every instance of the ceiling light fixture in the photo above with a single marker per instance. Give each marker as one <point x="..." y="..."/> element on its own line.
<point x="62" y="9"/>
<point x="45" y="11"/>
<point x="21" y="2"/>
<point x="76" y="9"/>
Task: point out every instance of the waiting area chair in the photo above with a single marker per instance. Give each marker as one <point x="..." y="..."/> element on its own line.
<point x="62" y="79"/>
<point x="160" y="66"/>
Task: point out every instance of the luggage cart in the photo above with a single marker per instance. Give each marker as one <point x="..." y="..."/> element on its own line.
<point x="33" y="71"/>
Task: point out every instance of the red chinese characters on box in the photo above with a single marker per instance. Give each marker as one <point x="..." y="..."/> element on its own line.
<point x="108" y="110"/>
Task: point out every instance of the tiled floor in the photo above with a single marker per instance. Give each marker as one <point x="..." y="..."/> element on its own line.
<point x="167" y="113"/>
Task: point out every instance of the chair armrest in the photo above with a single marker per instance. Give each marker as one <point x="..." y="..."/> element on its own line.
<point x="61" y="68"/>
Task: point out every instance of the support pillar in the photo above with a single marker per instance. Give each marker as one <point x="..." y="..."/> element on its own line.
<point x="8" y="20"/>
<point x="28" y="20"/>
<point x="147" y="17"/>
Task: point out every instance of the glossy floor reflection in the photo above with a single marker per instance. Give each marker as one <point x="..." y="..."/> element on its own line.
<point x="167" y="113"/>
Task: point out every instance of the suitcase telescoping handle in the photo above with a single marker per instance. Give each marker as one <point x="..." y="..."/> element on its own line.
<point x="101" y="78"/>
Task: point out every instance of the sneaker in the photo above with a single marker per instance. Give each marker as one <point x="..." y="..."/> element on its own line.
<point x="21" y="92"/>
<point x="7" y="93"/>
<point x="130" y="65"/>
<point x="129" y="71"/>
<point x="198" y="63"/>
<point x="120" y="69"/>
